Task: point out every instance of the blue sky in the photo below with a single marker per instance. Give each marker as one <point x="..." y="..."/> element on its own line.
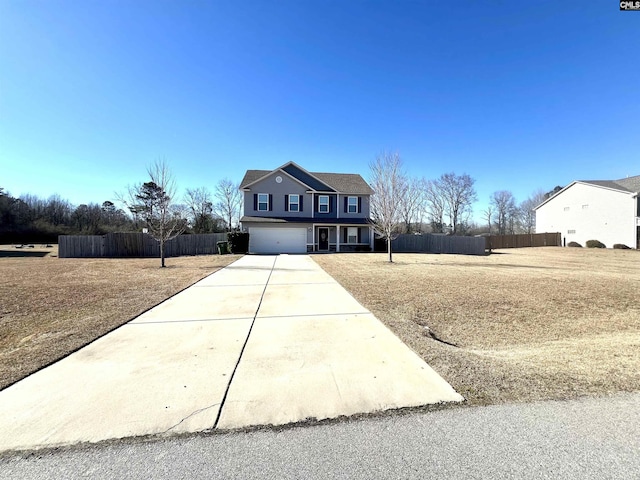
<point x="519" y="95"/>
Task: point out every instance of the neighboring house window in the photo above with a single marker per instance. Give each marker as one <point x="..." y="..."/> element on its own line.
<point x="352" y="206"/>
<point x="323" y="204"/>
<point x="352" y="235"/>
<point x="566" y="209"/>
<point x="570" y="232"/>
<point x="585" y="207"/>
<point x="263" y="202"/>
<point x="294" y="203"/>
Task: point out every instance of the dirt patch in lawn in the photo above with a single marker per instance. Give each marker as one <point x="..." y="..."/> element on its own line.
<point x="50" y="307"/>
<point x="518" y="325"/>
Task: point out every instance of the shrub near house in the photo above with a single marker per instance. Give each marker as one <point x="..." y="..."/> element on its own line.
<point x="595" y="244"/>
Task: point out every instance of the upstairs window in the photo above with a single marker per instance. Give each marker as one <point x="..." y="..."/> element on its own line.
<point x="294" y="203"/>
<point x="263" y="202"/>
<point x="352" y="205"/>
<point x="323" y="204"/>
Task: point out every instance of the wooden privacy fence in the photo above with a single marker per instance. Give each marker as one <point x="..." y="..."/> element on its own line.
<point x="115" y="245"/>
<point x="428" y="243"/>
<point x="524" y="240"/>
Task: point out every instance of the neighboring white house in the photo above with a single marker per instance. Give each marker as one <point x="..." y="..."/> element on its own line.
<point x="604" y="210"/>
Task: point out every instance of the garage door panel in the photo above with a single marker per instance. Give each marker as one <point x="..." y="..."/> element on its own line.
<point x="277" y="240"/>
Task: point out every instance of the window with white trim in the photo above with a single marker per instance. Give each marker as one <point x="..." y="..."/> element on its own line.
<point x="352" y="205"/>
<point x="566" y="209"/>
<point x="323" y="204"/>
<point x="263" y="202"/>
<point x="352" y="235"/>
<point x="294" y="203"/>
<point x="570" y="232"/>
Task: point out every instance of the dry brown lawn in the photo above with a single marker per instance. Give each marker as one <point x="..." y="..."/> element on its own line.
<point x="527" y="324"/>
<point x="50" y="306"/>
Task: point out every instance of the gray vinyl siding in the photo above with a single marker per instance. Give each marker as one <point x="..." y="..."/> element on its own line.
<point x="364" y="207"/>
<point x="288" y="186"/>
<point x="278" y="192"/>
<point x="333" y="203"/>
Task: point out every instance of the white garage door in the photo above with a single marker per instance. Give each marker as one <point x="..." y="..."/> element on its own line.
<point x="277" y="240"/>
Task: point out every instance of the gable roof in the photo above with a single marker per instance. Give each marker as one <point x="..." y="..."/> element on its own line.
<point x="627" y="185"/>
<point x="632" y="184"/>
<point x="322" y="182"/>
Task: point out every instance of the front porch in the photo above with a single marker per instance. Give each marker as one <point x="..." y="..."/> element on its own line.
<point x="340" y="238"/>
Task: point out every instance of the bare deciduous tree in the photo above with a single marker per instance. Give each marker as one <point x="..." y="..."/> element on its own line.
<point x="153" y="202"/>
<point x="413" y="203"/>
<point x="504" y="204"/>
<point x="229" y="201"/>
<point x="88" y="218"/>
<point x="487" y="214"/>
<point x="200" y="206"/>
<point x="455" y="193"/>
<point x="389" y="184"/>
<point x="434" y="206"/>
<point x="57" y="210"/>
<point x="527" y="212"/>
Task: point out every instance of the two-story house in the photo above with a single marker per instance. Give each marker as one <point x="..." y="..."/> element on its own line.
<point x="291" y="210"/>
<point x="604" y="210"/>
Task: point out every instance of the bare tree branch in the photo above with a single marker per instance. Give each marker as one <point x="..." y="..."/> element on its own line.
<point x="505" y="208"/>
<point x="229" y="202"/>
<point x="487" y="214"/>
<point x="200" y="206"/>
<point x="527" y="212"/>
<point x="434" y="205"/>
<point x="413" y="203"/>
<point x="390" y="186"/>
<point x="153" y="203"/>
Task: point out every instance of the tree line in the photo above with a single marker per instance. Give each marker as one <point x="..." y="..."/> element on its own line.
<point x="406" y="204"/>
<point x="31" y="219"/>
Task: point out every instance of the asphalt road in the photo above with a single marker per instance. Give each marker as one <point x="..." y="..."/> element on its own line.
<point x="583" y="439"/>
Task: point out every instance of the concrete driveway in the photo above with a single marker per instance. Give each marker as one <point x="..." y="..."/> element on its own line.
<point x="266" y="340"/>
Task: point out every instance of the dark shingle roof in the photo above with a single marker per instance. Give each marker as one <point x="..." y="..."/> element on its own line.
<point x="629" y="184"/>
<point x="253" y="175"/>
<point x="340" y="182"/>
<point x="345" y="182"/>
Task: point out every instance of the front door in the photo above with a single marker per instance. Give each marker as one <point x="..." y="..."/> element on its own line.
<point x="323" y="239"/>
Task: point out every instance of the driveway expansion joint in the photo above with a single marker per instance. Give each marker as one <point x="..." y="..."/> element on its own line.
<point x="283" y="355"/>
<point x="244" y="346"/>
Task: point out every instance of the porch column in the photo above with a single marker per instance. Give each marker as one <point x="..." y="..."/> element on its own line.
<point x="371" y="235"/>
<point x="313" y="237"/>
<point x="337" y="238"/>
